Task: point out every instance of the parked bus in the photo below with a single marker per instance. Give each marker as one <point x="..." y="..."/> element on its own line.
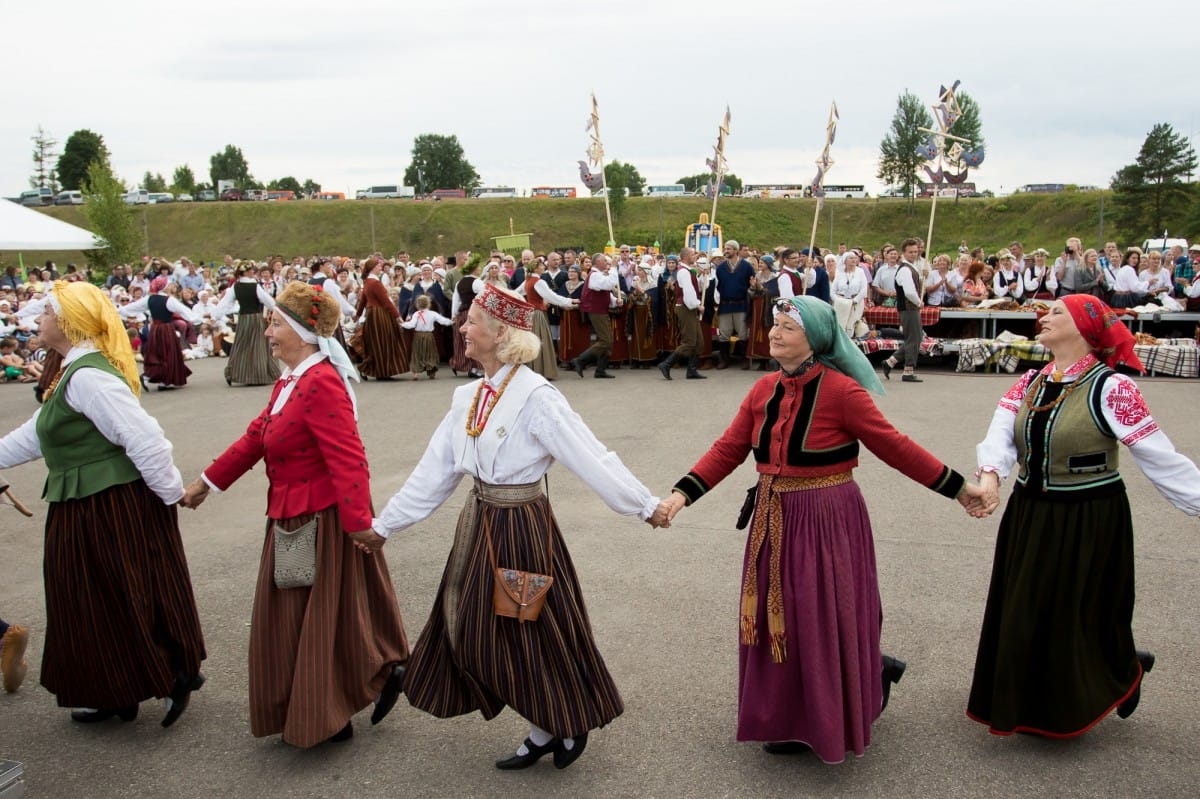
<point x="773" y="190"/>
<point x="330" y="195"/>
<point x="848" y="191"/>
<point x="948" y="190"/>
<point x="555" y="192"/>
<point x="448" y="194"/>
<point x="494" y="192"/>
<point x="673" y="190"/>
<point x="281" y="194"/>
<point x="1043" y="188"/>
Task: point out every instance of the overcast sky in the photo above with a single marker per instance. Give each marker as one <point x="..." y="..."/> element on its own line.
<point x="336" y="91"/>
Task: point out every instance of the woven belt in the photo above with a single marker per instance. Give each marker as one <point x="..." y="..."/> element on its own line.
<point x="508" y="496"/>
<point x="788" y="484"/>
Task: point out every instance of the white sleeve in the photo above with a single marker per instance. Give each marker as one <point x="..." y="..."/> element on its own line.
<point x="263" y="296"/>
<point x="904" y="280"/>
<point x="441" y="320"/>
<point x="107" y="401"/>
<point x="785" y="285"/>
<point x="567" y="437"/>
<point x="546" y="293"/>
<point x="331" y="288"/>
<point x="175" y="306"/>
<point x="998" y="450"/>
<point x="1193" y="291"/>
<point x="409" y="323"/>
<point x="134" y="308"/>
<point x="1174" y="475"/>
<point x="455" y="304"/>
<point x="861" y="282"/>
<point x="226" y="305"/>
<point x="430" y="484"/>
<point x="598" y="281"/>
<point x="690" y="299"/>
<point x="21" y="445"/>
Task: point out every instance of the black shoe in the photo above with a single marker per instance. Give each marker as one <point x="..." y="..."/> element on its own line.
<point x="564" y="757"/>
<point x="911" y="379"/>
<point x="602" y="373"/>
<point x="92" y="716"/>
<point x="180" y="696"/>
<point x="389" y="695"/>
<point x="577" y="365"/>
<point x="786" y="748"/>
<point x="525" y="761"/>
<point x="893" y="670"/>
<point x="1126" y="708"/>
<point x="887" y="371"/>
<point x="665" y="368"/>
<point x="344" y="734"/>
<point x="147" y="388"/>
<point x="692" y="374"/>
<point x="165" y="387"/>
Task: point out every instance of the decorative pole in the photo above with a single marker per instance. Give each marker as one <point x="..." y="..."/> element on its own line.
<point x="946" y="112"/>
<point x="718" y="164"/>
<point x="595" y="154"/>
<point x="824" y="164"/>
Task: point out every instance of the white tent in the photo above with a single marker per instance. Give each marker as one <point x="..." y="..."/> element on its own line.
<point x="24" y="229"/>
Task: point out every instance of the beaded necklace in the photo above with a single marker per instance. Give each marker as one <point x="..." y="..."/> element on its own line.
<point x="1077" y="368"/>
<point x="53" y="385"/>
<point x="472" y="430"/>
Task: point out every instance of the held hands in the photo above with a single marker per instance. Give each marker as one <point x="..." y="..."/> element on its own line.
<point x="667" y="509"/>
<point x="195" y="494"/>
<point x="980" y="501"/>
<point x="367" y="540"/>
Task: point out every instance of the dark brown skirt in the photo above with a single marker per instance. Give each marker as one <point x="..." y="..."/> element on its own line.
<point x="459" y="362"/>
<point x="384" y="351"/>
<point x="548" y="670"/>
<point x="121" y="617"/>
<point x="425" y="353"/>
<point x="163" y="356"/>
<point x="546" y="362"/>
<point x="319" y="655"/>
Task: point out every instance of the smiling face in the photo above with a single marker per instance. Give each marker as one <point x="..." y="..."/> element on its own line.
<point x="286" y="344"/>
<point x="789" y="342"/>
<point x="480" y="338"/>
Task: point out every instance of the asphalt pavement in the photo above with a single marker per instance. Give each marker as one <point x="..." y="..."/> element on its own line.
<point x="664" y="608"/>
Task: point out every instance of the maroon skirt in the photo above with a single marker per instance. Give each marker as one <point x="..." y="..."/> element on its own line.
<point x="162" y="356"/>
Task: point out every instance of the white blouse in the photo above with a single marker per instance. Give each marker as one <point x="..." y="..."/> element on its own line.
<point x="526" y="439"/>
<point x="1127" y="281"/>
<point x="138" y="307"/>
<point x="229" y="303"/>
<point x="850" y="285"/>
<point x="1174" y="475"/>
<point x="108" y="403"/>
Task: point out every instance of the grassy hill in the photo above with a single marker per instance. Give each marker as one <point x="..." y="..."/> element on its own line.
<point x="206" y="231"/>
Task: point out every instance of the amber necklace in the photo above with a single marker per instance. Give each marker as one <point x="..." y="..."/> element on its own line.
<point x="472" y="430"/>
<point x="53" y="385"/>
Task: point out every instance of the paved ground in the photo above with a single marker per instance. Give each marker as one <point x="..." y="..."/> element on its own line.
<point x="664" y="608"/>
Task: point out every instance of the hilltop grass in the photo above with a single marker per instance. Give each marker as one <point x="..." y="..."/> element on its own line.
<point x="207" y="231"/>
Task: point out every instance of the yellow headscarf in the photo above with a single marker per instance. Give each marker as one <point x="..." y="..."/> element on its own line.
<point x="87" y="315"/>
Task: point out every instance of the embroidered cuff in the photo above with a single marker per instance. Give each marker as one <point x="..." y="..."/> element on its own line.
<point x="691" y="486"/>
<point x="950" y="484"/>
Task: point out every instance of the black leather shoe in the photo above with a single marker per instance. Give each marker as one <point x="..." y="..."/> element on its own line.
<point x="694" y="375"/>
<point x="786" y="748"/>
<point x="602" y="373"/>
<point x="887" y="371"/>
<point x="92" y="716"/>
<point x="344" y="734"/>
<point x="577" y="366"/>
<point x="389" y="695"/>
<point x="1126" y="708"/>
<point x="525" y="761"/>
<point x="180" y="696"/>
<point x="564" y="757"/>
<point x="911" y="379"/>
<point x="665" y="368"/>
<point x="893" y="670"/>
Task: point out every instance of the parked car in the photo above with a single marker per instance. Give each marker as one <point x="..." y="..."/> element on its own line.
<point x="41" y="196"/>
<point x="390" y="192"/>
<point x="254" y="194"/>
<point x="448" y="194"/>
<point x="183" y="198"/>
<point x="207" y="196"/>
<point x="161" y="197"/>
<point x="232" y="195"/>
<point x="69" y="197"/>
<point x="137" y="197"/>
<point x="1162" y="245"/>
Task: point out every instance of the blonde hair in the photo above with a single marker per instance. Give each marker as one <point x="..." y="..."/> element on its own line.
<point x="516" y="346"/>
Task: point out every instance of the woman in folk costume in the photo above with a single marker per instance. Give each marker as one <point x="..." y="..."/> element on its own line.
<point x="112" y="530"/>
<point x="425" y="353"/>
<point x="384" y="350"/>
<point x="464" y="295"/>
<point x="1056" y="653"/>
<point x="640" y="320"/>
<point x="541" y="295"/>
<point x="250" y="362"/>
<point x="811" y="673"/>
<point x="504" y="432"/>
<point x="162" y="357"/>
<point x="326" y="637"/>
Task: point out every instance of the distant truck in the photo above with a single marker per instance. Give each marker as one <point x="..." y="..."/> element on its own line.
<point x="389" y="192"/>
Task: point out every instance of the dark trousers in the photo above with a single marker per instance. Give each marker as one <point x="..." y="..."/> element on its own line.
<point x="602" y="327"/>
<point x="910" y="324"/>
<point x="689" y="332"/>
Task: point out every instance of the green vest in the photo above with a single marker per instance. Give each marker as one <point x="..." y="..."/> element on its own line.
<point x="81" y="461"/>
<point x="1075" y="449"/>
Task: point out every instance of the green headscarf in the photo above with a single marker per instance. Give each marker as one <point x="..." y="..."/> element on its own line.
<point x="829" y="342"/>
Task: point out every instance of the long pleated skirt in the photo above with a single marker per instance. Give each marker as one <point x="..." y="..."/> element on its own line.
<point x="459" y="362"/>
<point x="829" y="689"/>
<point x="163" y="356"/>
<point x="385" y="353"/>
<point x="546" y="362"/>
<point x="642" y="348"/>
<point x="1056" y="652"/>
<point x="425" y="352"/>
<point x="250" y="362"/>
<point x="121" y="619"/>
<point x="319" y="655"/>
<point x="468" y="658"/>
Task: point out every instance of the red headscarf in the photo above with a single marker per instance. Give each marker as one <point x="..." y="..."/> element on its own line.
<point x="1102" y="330"/>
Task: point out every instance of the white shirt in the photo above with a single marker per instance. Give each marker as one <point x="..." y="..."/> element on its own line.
<point x="808" y="280"/>
<point x="691" y="298"/>
<point x="423" y="321"/>
<point x="229" y="304"/>
<point x="1155" y="282"/>
<point x="548" y="294"/>
<point x="904" y="281"/>
<point x="937" y="293"/>
<point x="108" y="403"/>
<point x="850" y="285"/>
<point x="138" y="307"/>
<point x="1174" y="475"/>
<point x="598" y="281"/>
<point x="331" y="288"/>
<point x="885" y="277"/>
<point x="527" y="438"/>
<point x="1127" y="281"/>
<point x="1033" y="279"/>
<point x="1000" y="285"/>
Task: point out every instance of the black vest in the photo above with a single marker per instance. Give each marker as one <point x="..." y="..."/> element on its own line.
<point x="157" y="304"/>
<point x="247" y="297"/>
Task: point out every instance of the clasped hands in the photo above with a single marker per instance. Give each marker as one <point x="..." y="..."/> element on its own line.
<point x="980" y="500"/>
<point x="666" y="510"/>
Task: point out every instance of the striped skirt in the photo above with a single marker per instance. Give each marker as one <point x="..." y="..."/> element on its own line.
<point x="250" y="363"/>
<point x="459" y="362"/>
<point x="384" y="351"/>
<point x="468" y="658"/>
<point x="425" y="353"/>
<point x="163" y="356"/>
<point x="546" y="362"/>
<point x="319" y="655"/>
<point x="121" y="617"/>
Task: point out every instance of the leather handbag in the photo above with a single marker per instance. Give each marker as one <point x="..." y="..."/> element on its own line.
<point x="519" y="594"/>
<point x="296" y="555"/>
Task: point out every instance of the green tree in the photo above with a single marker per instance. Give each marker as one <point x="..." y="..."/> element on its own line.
<point x="898" y="158"/>
<point x="311" y="187"/>
<point x="1151" y="194"/>
<point x="631" y="179"/>
<point x="694" y="183"/>
<point x="183" y="180"/>
<point x="230" y="164"/>
<point x="44" y="159"/>
<point x="154" y="182"/>
<point x="82" y="148"/>
<point x="110" y="218"/>
<point x="288" y="183"/>
<point x="614" y="179"/>
<point x="438" y="162"/>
